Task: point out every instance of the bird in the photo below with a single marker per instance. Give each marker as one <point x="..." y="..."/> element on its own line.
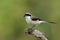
<point x="33" y="20"/>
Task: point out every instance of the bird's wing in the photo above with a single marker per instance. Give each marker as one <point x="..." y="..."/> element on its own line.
<point x="40" y="19"/>
<point x="35" y="18"/>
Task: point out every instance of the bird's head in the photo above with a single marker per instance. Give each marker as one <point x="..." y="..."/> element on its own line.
<point x="27" y="14"/>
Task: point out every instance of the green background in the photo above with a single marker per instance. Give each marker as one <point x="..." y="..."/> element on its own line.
<point x="12" y="22"/>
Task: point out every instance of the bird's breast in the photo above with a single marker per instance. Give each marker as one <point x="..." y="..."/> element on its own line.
<point x="28" y="20"/>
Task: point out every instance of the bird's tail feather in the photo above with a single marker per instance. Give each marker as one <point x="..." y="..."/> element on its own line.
<point x="52" y="22"/>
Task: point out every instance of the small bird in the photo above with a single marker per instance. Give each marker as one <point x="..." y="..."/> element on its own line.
<point x="34" y="20"/>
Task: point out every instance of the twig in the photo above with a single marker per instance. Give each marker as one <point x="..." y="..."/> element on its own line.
<point x="39" y="35"/>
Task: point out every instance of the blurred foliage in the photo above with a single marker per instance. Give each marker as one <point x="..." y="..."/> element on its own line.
<point x="12" y="22"/>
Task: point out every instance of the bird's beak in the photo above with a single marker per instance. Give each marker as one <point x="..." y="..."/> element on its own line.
<point x="24" y="15"/>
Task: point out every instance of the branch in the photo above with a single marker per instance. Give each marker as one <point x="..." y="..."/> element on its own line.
<point x="39" y="35"/>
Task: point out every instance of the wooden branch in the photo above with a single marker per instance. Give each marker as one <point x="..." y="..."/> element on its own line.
<point x="39" y="35"/>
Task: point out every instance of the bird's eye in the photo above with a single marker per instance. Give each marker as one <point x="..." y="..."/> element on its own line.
<point x="27" y="14"/>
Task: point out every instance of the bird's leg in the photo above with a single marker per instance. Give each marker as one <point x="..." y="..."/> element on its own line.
<point x="33" y="26"/>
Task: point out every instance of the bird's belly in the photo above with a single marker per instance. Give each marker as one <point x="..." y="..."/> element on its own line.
<point x="28" y="22"/>
<point x="35" y="22"/>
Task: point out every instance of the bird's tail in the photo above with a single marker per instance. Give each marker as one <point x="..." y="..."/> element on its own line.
<point x="52" y="22"/>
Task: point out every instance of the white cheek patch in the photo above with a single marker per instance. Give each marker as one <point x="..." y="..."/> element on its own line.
<point x="28" y="19"/>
